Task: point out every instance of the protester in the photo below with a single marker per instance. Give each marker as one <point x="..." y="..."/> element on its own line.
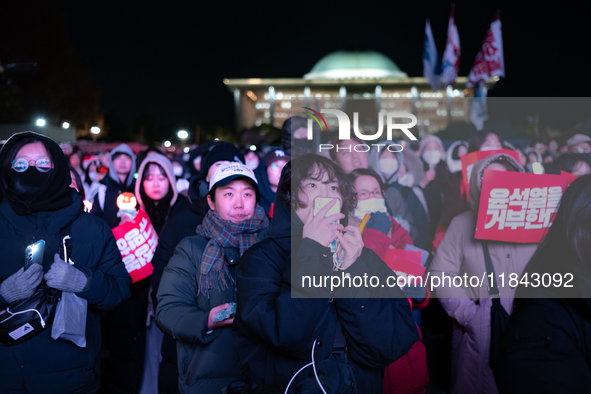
<point x="460" y="253"/>
<point x="409" y="373"/>
<point x="121" y="179"/>
<point x="579" y="143"/>
<point x="309" y="338"/>
<point x="199" y="281"/>
<point x="91" y="182"/>
<point x="389" y="166"/>
<point x="294" y="137"/>
<point x="432" y="154"/>
<point x="533" y="156"/>
<point x="576" y="164"/>
<point x="522" y="157"/>
<point x="251" y="159"/>
<point x="39" y="204"/>
<point x="553" y="148"/>
<point x="268" y="174"/>
<point x="454" y="153"/>
<point x="76" y="161"/>
<point x="544" y="346"/>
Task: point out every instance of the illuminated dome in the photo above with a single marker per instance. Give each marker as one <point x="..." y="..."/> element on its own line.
<point x="355" y="65"/>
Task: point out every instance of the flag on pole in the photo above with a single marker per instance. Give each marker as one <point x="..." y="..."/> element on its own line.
<point x="450" y="64"/>
<point x="478" y="111"/>
<point x="490" y="61"/>
<point x="430" y="58"/>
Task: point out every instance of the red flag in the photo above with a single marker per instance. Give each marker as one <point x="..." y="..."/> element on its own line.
<point x="490" y="61"/>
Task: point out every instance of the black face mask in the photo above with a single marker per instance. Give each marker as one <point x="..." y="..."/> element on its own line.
<point x="27" y="185"/>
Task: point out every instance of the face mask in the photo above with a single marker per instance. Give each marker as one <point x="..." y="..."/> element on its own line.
<point x="177" y="171"/>
<point x="432" y="157"/>
<point x="489" y="148"/>
<point x="371" y="205"/>
<point x="26" y="185"/>
<point x="92" y="176"/>
<point x="388" y="166"/>
<point x="407" y="180"/>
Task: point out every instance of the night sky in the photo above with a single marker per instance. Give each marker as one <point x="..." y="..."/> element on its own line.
<point x="168" y="59"/>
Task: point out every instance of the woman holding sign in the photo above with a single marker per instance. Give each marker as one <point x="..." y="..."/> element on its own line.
<point x="469" y="305"/>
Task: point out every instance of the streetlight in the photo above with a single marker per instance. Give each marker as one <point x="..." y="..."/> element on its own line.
<point x="40" y="122"/>
<point x="183" y="135"/>
<point x="65" y="125"/>
<point x="95" y="131"/>
<point x="167" y="144"/>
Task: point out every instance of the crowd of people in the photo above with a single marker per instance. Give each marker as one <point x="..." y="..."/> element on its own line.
<point x="225" y="309"/>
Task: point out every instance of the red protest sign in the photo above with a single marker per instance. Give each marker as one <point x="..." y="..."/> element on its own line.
<point x="518" y="207"/>
<point x="137" y="241"/>
<point x="405" y="261"/>
<point x="469" y="159"/>
<point x="569" y="177"/>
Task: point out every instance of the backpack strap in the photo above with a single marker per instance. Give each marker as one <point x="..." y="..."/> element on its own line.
<point x="492" y="289"/>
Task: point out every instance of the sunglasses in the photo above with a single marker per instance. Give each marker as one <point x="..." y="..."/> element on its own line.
<point x="21" y="165"/>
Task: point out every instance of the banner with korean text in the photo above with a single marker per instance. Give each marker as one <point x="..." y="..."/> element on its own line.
<point x="518" y="207"/>
<point x="137" y="241"/>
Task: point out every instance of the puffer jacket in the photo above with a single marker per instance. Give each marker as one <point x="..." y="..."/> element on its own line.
<point x="207" y="361"/>
<point x="41" y="364"/>
<point x="458" y="254"/>
<point x="276" y="333"/>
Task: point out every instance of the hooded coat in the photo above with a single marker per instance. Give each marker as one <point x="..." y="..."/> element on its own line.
<point x="182" y="222"/>
<point x="42" y="364"/>
<point x="399" y="197"/>
<point x="275" y="333"/>
<point x="434" y="189"/>
<point x="105" y="201"/>
<point x="126" y="325"/>
<point x="458" y="254"/>
<point x="267" y="195"/>
<point x="454" y="200"/>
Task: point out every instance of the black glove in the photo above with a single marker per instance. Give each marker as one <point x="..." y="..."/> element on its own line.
<point x="380" y="221"/>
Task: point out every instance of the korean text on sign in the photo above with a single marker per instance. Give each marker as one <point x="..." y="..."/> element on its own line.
<point x="517" y="207"/>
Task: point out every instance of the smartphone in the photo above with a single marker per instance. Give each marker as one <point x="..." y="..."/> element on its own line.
<point x="34" y="253"/>
<point x="319" y="203"/>
<point x="227" y="313"/>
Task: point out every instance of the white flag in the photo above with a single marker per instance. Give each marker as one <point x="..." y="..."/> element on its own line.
<point x="490" y="61"/>
<point x="450" y="64"/>
<point x="430" y="59"/>
<point x="478" y="111"/>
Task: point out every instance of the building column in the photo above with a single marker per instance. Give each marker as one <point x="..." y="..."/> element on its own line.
<point x="307" y="95"/>
<point x="343" y="96"/>
<point x="449" y="92"/>
<point x="272" y="105"/>
<point x="237" y="110"/>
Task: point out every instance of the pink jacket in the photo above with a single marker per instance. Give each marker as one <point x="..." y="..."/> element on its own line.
<point x="458" y="254"/>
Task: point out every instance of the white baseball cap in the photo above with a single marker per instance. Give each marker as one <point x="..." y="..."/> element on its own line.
<point x="230" y="171"/>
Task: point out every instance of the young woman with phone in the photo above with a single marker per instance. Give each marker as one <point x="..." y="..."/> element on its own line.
<point x="316" y="339"/>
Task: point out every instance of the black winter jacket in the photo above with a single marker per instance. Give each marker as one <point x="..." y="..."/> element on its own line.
<point x="42" y="364"/>
<point x="547" y="347"/>
<point x="275" y="333"/>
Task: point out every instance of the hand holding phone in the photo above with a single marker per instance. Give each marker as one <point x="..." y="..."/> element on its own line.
<point x="321" y="226"/>
<point x="217" y="324"/>
<point x="34" y="254"/>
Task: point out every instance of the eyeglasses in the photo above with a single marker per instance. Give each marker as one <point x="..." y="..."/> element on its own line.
<point x="374" y="194"/>
<point x="21" y="164"/>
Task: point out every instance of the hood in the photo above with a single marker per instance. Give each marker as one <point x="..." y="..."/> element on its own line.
<point x="428" y="139"/>
<point x="164" y="163"/>
<point x="527" y="152"/>
<point x="454" y="164"/>
<point x="267" y="195"/>
<point x="414" y="165"/>
<point x="478" y="173"/>
<point x="123" y="148"/>
<point x="55" y="194"/>
<point x="374" y="159"/>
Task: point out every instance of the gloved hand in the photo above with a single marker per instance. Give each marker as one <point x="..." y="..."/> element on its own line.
<point x="65" y="277"/>
<point x="380" y="221"/>
<point x="22" y="284"/>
